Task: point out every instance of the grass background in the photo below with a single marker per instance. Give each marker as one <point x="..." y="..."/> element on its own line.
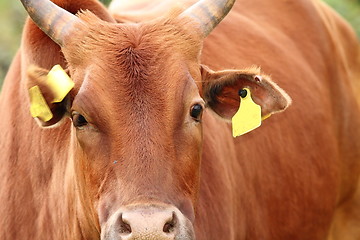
<point x="12" y="16"/>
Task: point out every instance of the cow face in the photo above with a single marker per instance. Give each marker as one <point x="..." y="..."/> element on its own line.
<point x="136" y="112"/>
<point x="146" y="118"/>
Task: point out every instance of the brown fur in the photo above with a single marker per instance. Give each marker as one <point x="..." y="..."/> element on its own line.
<point x="296" y="177"/>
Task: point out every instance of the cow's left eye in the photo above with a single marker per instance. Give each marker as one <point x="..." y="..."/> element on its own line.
<point x="79" y="120"/>
<point x="196" y="112"/>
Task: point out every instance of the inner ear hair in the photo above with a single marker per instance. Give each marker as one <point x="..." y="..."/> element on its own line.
<point x="214" y="81"/>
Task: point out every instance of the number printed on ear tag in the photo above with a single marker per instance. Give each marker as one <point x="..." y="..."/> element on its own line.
<point x="248" y="117"/>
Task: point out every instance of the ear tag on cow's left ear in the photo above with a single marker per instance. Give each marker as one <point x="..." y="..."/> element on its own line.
<point x="248" y="117"/>
<point x="59" y="83"/>
<point x="38" y="105"/>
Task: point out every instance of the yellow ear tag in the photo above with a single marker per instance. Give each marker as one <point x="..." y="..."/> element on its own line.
<point x="59" y="83"/>
<point x="38" y="105"/>
<point x="248" y="117"/>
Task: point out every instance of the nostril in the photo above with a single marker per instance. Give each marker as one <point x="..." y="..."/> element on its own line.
<point x="170" y="225"/>
<point x="124" y="226"/>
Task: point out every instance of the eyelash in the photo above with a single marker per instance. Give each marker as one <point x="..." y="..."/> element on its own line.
<point x="79" y="121"/>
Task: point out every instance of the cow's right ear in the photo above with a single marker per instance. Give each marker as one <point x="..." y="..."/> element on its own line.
<point x="47" y="106"/>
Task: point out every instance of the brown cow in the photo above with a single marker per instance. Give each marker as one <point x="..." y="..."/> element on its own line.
<point x="134" y="157"/>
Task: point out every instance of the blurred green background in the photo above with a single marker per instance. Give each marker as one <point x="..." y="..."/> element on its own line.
<point x="12" y="16"/>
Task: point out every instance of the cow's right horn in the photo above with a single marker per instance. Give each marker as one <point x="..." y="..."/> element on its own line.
<point x="50" y="18"/>
<point x="209" y="13"/>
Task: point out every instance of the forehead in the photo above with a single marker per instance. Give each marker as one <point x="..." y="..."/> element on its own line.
<point x="136" y="69"/>
<point x="133" y="54"/>
<point x="141" y="94"/>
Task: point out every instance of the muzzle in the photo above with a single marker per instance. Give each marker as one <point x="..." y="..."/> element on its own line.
<point x="148" y="222"/>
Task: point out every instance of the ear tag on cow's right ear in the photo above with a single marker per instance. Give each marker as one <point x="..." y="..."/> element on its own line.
<point x="38" y="105"/>
<point x="59" y="83"/>
<point x="248" y="117"/>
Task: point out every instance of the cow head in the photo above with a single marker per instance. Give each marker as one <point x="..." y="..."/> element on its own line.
<point x="136" y="112"/>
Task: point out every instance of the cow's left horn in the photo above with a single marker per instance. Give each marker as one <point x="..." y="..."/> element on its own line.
<point x="209" y="13"/>
<point x="50" y="18"/>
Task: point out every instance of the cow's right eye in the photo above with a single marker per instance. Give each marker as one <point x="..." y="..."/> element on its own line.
<point x="79" y="120"/>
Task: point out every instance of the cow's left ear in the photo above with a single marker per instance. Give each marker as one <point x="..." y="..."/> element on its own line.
<point x="221" y="89"/>
<point x="49" y="94"/>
